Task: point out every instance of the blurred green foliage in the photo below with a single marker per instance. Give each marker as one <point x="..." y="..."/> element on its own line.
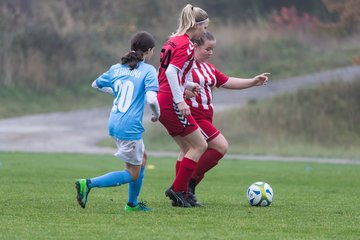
<point x="47" y="44"/>
<point x="51" y="51"/>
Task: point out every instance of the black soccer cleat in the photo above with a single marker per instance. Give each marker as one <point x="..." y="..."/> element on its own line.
<point x="175" y="203"/>
<point x="192" y="200"/>
<point x="191" y="186"/>
<point x="177" y="197"/>
<point x="191" y="194"/>
<point x="169" y="195"/>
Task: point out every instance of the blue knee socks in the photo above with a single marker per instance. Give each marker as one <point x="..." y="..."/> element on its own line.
<point x="111" y="179"/>
<point x="135" y="187"/>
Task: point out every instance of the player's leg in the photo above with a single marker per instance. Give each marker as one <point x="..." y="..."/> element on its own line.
<point x="186" y="134"/>
<point x="184" y="147"/>
<point x="196" y="146"/>
<point x="134" y="189"/>
<point x="217" y="148"/>
<point x="111" y="179"/>
<point x="127" y="151"/>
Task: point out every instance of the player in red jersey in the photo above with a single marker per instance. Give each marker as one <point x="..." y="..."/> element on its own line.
<point x="175" y="64"/>
<point x="208" y="77"/>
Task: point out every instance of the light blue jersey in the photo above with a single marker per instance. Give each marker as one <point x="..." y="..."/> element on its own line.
<point x="129" y="88"/>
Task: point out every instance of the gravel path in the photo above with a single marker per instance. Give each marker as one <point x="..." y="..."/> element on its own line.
<point x="79" y="131"/>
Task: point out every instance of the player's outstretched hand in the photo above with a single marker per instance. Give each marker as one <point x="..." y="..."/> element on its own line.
<point x="261" y="79"/>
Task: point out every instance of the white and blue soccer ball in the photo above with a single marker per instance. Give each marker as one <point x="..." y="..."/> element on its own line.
<point x="260" y="194"/>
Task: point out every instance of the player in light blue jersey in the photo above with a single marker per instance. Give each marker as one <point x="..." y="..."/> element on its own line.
<point x="132" y="83"/>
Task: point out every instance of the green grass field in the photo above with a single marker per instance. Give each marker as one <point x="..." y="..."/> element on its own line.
<point x="311" y="201"/>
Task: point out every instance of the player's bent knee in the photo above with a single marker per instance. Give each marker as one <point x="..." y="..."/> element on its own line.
<point x="134" y="172"/>
<point x="223" y="148"/>
<point x="201" y="147"/>
<point x="134" y="175"/>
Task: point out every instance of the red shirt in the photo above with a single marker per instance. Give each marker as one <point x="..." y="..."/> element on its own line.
<point x="177" y="51"/>
<point x="208" y="77"/>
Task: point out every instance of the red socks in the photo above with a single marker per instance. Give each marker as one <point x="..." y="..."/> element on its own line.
<point x="206" y="162"/>
<point x="177" y="167"/>
<point x="186" y="168"/>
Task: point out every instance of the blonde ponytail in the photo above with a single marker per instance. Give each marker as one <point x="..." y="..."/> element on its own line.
<point x="189" y="17"/>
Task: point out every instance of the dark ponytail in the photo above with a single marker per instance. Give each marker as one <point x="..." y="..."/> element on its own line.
<point x="141" y="42"/>
<point x="132" y="59"/>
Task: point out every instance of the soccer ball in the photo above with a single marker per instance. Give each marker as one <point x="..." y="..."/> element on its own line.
<point x="260" y="194"/>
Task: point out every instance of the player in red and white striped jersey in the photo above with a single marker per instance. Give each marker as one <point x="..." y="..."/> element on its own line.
<point x="175" y="63"/>
<point x="209" y="77"/>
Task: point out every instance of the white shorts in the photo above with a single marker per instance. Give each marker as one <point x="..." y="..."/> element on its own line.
<point x="130" y="151"/>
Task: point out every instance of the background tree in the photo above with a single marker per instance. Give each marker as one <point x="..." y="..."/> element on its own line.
<point x="46" y="44"/>
<point x="346" y="14"/>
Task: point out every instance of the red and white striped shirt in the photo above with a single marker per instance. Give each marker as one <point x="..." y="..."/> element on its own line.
<point x="208" y="77"/>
